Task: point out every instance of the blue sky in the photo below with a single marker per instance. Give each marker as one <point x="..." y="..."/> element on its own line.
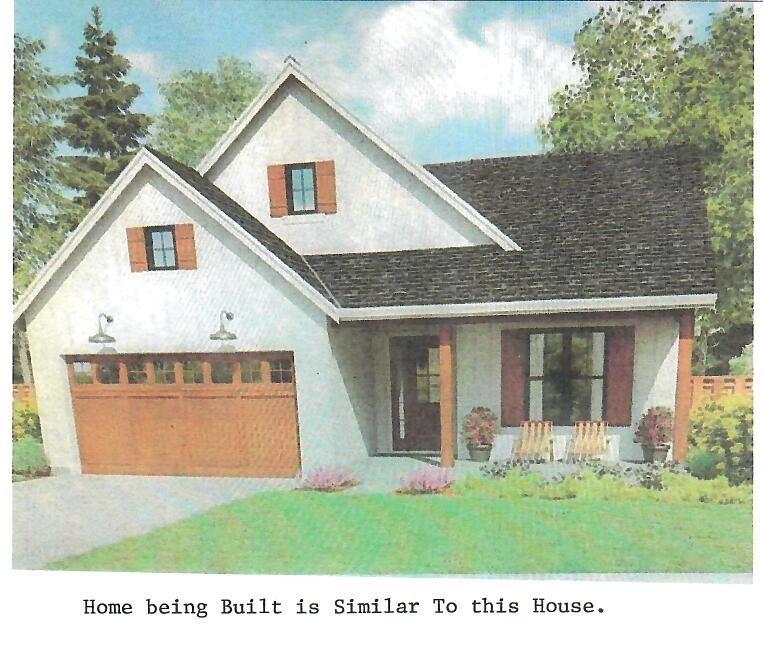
<point x="441" y="81"/>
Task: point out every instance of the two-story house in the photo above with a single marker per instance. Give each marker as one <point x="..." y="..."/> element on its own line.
<point x="308" y="295"/>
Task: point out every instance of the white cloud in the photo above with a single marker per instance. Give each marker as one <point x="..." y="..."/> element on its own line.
<point x="411" y="65"/>
<point x="54" y="37"/>
<point x="149" y="64"/>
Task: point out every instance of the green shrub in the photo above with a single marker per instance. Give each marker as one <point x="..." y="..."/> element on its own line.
<point x="515" y="484"/>
<point x="704" y="464"/>
<point x="26" y="421"/>
<point x="688" y="489"/>
<point x="590" y="484"/>
<point x="29" y="457"/>
<point x="723" y="429"/>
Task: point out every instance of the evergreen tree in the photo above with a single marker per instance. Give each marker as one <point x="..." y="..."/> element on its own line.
<point x="41" y="213"/>
<point x="100" y="122"/>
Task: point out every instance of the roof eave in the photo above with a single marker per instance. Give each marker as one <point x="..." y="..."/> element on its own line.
<point x="533" y="307"/>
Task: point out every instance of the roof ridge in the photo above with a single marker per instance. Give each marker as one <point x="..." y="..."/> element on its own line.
<point x="569" y="154"/>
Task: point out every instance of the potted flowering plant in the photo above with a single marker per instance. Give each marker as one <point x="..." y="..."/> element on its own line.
<point x="655" y="434"/>
<point x="479" y="429"/>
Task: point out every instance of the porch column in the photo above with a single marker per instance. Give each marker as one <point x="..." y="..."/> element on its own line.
<point x="683" y="385"/>
<point x="447" y="395"/>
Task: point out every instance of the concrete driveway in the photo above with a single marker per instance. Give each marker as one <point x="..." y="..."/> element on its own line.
<point x="57" y="517"/>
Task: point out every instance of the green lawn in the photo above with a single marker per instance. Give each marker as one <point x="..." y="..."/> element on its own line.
<point x="304" y="532"/>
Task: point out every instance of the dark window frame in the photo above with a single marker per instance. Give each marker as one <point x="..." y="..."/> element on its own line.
<point x="290" y="192"/>
<point x="280" y="374"/>
<point x="148" y="232"/>
<point x="567" y="350"/>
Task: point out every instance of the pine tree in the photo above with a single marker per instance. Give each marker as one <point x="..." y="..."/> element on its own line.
<point x="100" y="122"/>
<point x="41" y="212"/>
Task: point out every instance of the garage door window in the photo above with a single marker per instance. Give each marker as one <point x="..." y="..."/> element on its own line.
<point x="83" y="372"/>
<point x="222" y="372"/>
<point x="164" y="372"/>
<point x="108" y="373"/>
<point x="281" y="371"/>
<point x="193" y="372"/>
<point x="136" y="373"/>
<point x="246" y="369"/>
<point x="251" y="372"/>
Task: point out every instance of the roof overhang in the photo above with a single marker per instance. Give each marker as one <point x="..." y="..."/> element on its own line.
<point x="547" y="306"/>
<point x="146" y="159"/>
<point x="422" y="175"/>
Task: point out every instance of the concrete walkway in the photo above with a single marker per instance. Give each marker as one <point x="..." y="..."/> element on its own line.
<point x="58" y="517"/>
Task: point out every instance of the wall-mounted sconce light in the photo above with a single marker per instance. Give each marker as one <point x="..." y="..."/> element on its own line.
<point x="102" y="337"/>
<point x="222" y="333"/>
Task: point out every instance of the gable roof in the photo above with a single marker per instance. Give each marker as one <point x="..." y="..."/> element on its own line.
<point x="215" y="203"/>
<point x="292" y="71"/>
<point x="592" y="226"/>
<point x="617" y="230"/>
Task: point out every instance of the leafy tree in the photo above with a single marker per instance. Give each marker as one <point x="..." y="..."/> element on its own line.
<point x="100" y="122"/>
<point x="742" y="365"/>
<point x="199" y="106"/>
<point x="41" y="212"/>
<point x="643" y="86"/>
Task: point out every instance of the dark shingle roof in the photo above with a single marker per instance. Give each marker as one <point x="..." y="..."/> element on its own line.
<point x="244" y="219"/>
<point x="611" y="224"/>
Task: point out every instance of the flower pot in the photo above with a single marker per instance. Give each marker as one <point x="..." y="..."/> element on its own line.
<point x="655" y="454"/>
<point x="479" y="453"/>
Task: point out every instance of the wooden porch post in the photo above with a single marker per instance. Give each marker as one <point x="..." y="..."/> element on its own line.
<point x="447" y="395"/>
<point x="683" y="384"/>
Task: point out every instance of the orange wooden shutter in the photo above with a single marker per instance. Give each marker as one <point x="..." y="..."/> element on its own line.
<point x="621" y="343"/>
<point x="136" y="248"/>
<point x="514" y="365"/>
<point x="277" y="190"/>
<point x="326" y="182"/>
<point x="186" y="246"/>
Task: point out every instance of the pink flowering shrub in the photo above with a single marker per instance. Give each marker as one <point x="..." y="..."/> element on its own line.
<point x="327" y="478"/>
<point x="429" y="481"/>
<point x="655" y="427"/>
<point x="479" y="427"/>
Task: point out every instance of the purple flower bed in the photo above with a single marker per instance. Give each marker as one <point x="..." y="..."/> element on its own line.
<point x="327" y="478"/>
<point x="430" y="481"/>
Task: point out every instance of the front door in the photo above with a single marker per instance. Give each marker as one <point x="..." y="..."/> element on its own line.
<point x="415" y="371"/>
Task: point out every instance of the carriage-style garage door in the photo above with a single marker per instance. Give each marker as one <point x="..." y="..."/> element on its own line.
<point x="186" y="414"/>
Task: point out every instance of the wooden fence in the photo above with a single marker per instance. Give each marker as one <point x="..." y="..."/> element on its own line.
<point x="718" y="386"/>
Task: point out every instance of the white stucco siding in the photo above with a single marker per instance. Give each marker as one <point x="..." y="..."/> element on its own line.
<point x="177" y="310"/>
<point x="478" y="376"/>
<point x="380" y="206"/>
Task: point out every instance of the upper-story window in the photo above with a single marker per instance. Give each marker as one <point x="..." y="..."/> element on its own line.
<point x="171" y="247"/>
<point x="160" y="248"/>
<point x="301" y="189"/>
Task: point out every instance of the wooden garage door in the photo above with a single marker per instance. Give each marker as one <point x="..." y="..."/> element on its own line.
<point x="186" y="414"/>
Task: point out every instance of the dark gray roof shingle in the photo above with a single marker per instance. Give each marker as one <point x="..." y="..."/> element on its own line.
<point x="627" y="223"/>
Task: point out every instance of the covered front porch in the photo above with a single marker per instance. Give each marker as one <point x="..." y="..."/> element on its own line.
<point x="427" y="375"/>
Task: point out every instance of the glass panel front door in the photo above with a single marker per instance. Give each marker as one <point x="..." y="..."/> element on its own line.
<point x="415" y="376"/>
